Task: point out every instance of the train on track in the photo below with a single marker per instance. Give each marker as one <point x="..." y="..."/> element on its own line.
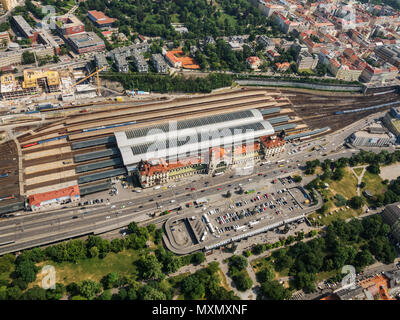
<point x="43" y="141"/>
<point x="367" y="108"/>
<point x="109" y="127"/>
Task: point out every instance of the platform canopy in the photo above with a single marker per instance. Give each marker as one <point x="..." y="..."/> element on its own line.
<point x="191" y="136"/>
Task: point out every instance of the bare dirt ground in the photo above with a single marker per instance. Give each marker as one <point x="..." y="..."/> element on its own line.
<point x="9" y="186"/>
<point x="390" y="172"/>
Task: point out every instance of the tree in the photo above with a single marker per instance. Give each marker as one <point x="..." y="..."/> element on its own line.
<point x="57" y="293"/>
<point x="106" y="295"/>
<point x="297" y="178"/>
<point x="20" y="283"/>
<point x="149" y="293"/>
<point x="14" y="293"/>
<point x="198" y="257"/>
<point x="356" y="202"/>
<point x="363" y="259"/>
<point x="35" y="293"/>
<point x="238" y="262"/>
<point x="273" y="290"/>
<point x="133" y="227"/>
<point x="150" y="268"/>
<point x="242" y="281"/>
<point x="28" y="57"/>
<point x="266" y="274"/>
<point x="258" y="248"/>
<point x="374" y="168"/>
<point x="26" y="270"/>
<point x="192" y="288"/>
<point x="305" y="281"/>
<point x="93" y="252"/>
<point x="338" y="174"/>
<point x="110" y="280"/>
<point x="89" y="288"/>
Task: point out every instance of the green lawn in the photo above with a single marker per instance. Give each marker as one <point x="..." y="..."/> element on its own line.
<point x="341" y="214"/>
<point x="373" y="183"/>
<point x="358" y="171"/>
<point x="325" y="275"/>
<point x="94" y="268"/>
<point x="347" y="186"/>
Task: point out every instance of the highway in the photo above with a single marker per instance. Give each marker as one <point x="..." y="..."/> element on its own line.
<point x="30" y="230"/>
<point x="42" y="228"/>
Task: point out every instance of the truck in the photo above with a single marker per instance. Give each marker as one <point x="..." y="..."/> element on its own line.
<point x="206" y="218"/>
<point x="203" y="236"/>
<point x="240" y="228"/>
<point x="210" y="226"/>
<point x="252" y="223"/>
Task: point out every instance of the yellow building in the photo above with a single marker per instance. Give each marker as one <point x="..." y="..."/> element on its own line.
<point x="10" y="88"/>
<point x="49" y="80"/>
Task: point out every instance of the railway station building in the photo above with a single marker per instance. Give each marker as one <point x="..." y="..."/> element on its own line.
<point x="207" y="145"/>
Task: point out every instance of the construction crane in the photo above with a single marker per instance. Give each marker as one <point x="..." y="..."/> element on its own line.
<point x="89" y="76"/>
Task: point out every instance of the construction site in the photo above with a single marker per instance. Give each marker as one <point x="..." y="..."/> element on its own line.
<point x="38" y="83"/>
<point x="80" y="149"/>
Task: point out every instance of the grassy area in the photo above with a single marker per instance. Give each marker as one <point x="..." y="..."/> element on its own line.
<point x="347" y="186"/>
<point x="358" y="171"/>
<point x="259" y="264"/>
<point x="373" y="183"/>
<point x="325" y="275"/>
<point x="93" y="268"/>
<point x="224" y="282"/>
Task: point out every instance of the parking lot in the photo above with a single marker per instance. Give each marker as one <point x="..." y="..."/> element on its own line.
<point x="249" y="207"/>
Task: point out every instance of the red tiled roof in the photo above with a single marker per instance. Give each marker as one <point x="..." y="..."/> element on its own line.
<point x="271" y="142"/>
<point x="147" y="169"/>
<point x="253" y="59"/>
<point x="100" y="17"/>
<point x="37" y="199"/>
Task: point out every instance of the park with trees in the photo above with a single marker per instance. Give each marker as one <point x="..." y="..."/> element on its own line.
<point x="135" y="269"/>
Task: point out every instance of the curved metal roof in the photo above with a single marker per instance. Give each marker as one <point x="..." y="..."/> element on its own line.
<point x="186" y="127"/>
<point x="200" y="140"/>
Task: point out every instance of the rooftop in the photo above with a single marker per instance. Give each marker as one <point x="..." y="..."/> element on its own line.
<point x="57" y="195"/>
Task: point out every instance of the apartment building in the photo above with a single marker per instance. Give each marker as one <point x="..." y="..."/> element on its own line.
<point x="140" y="63"/>
<point x="159" y="63"/>
<point x="306" y="61"/>
<point x="69" y="24"/>
<point x="384" y="73"/>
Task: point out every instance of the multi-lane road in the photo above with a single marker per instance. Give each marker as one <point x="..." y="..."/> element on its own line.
<point x="31" y="230"/>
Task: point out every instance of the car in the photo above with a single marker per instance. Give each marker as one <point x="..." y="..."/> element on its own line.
<point x="108" y="217"/>
<point x="113" y="206"/>
<point x="75" y="217"/>
<point x="219" y="189"/>
<point x="192" y="189"/>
